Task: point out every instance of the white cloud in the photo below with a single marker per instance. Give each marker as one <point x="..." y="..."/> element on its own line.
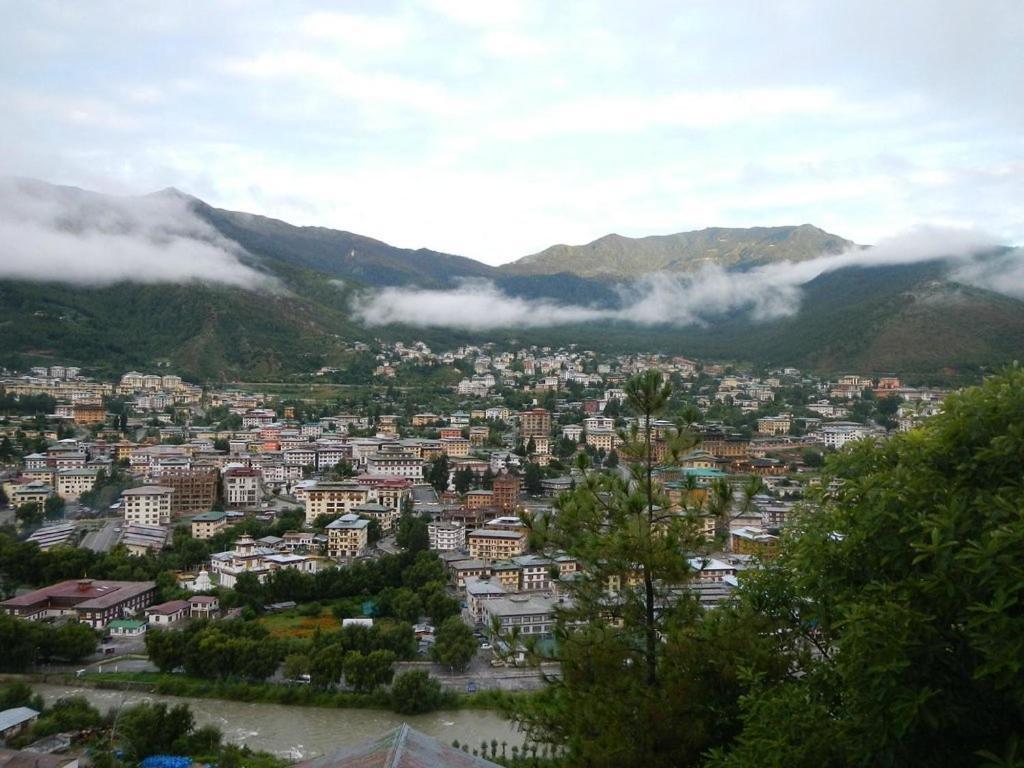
<point x="766" y="292"/>
<point x="65" y="235"/>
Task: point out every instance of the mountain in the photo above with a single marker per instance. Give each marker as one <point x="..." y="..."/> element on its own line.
<point x="342" y="255"/>
<point x="297" y="317"/>
<point x="614" y="257"/>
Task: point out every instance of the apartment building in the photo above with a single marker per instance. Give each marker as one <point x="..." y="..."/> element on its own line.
<point x="72" y="483"/>
<point x="492" y="544"/>
<point x="446" y="536"/>
<point x="208" y="524"/>
<point x="195" y="490"/>
<point x="336" y="499"/>
<point x="243" y="487"/>
<point x="535" y="422"/>
<point x="506" y="492"/>
<point x="147" y="505"/>
<point x="347" y="536"/>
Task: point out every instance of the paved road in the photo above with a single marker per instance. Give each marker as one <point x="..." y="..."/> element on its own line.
<point x="105" y="538"/>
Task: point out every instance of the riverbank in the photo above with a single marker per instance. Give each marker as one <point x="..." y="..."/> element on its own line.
<point x="297" y="732"/>
<point x="269" y="693"/>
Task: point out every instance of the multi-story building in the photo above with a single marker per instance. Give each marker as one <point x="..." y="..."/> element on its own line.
<point x="336" y="499"/>
<point x="491" y="544"/>
<point x="206" y="525"/>
<point x="774" y="425"/>
<point x="506" y="492"/>
<point x="249" y="557"/>
<point x="602" y="439"/>
<point x="72" y="483"/>
<point x="395" y="464"/>
<point x="479" y="498"/>
<point x="446" y="536"/>
<point x="195" y="490"/>
<point x="534" y="422"/>
<point x="531" y="614"/>
<point x="347" y="536"/>
<point x="147" y="505"/>
<point x="95" y="603"/>
<point x="243" y="487"/>
<point x="386" y="517"/>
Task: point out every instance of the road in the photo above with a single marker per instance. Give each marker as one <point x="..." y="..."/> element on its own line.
<point x="105" y="538"/>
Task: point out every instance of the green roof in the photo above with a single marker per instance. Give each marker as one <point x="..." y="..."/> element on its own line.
<point x="125" y="624"/>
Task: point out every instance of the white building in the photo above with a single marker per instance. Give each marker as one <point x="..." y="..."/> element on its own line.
<point x="147" y="505"/>
<point x="446" y="537"/>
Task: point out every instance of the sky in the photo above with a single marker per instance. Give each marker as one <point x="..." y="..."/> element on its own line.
<point x="494" y="130"/>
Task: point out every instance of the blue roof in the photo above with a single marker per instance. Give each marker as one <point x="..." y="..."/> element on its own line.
<point x="10" y="718"/>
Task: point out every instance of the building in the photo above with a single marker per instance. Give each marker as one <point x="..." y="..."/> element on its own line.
<point x="336" y="499"/>
<point x="249" y="557"/>
<point x="478" y="591"/>
<point x="89" y="414"/>
<point x="203" y="606"/>
<point x="754" y="541"/>
<point x="166" y="614"/>
<point x="147" y="505"/>
<point x="602" y="439"/>
<point x="126" y="628"/>
<point x="195" y="490"/>
<point x="395" y="464"/>
<point x="36" y="492"/>
<point x="446" y="536"/>
<point x="479" y="498"/>
<point x="505" y="491"/>
<point x="92" y="602"/>
<point x="143" y="539"/>
<point x="347" y="536"/>
<point x="774" y="425"/>
<point x="15" y="721"/>
<point x="208" y="524"/>
<point x="532" y="614"/>
<point x="535" y="422"/>
<point x="243" y="487"/>
<point x="487" y="544"/>
<point x="72" y="483"/>
<point x="386" y="517"/>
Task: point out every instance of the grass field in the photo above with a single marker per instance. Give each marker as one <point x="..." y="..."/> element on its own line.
<point x="293" y="624"/>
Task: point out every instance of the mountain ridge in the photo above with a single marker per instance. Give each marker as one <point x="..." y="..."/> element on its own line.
<point x="910" y="317"/>
<point x="618" y="257"/>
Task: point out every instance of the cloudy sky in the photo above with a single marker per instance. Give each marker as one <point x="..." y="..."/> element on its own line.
<point x="496" y="129"/>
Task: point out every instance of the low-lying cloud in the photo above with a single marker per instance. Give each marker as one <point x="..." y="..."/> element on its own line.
<point x="765" y="292"/>
<point x="59" y="234"/>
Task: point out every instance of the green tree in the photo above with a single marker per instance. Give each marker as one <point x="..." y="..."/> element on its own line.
<point x="463" y="480"/>
<point x="166" y="649"/>
<point x="455" y="645"/>
<point x="29" y="514"/>
<point x="74" y="641"/>
<point x="896" y="604"/>
<point x="416" y="692"/>
<point x="532" y="477"/>
<point x="327" y="665"/>
<point x="53" y="508"/>
<point x="607" y="708"/>
<point x="152" y="728"/>
<point x="438" y="473"/>
<point x="367" y="672"/>
<point x="406" y="605"/>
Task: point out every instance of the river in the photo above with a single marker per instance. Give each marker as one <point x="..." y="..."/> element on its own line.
<point x="303" y="732"/>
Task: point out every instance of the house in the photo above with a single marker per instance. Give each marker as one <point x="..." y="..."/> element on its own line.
<point x="166" y="614"/>
<point x="15" y="721"/>
<point x="203" y="606"/>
